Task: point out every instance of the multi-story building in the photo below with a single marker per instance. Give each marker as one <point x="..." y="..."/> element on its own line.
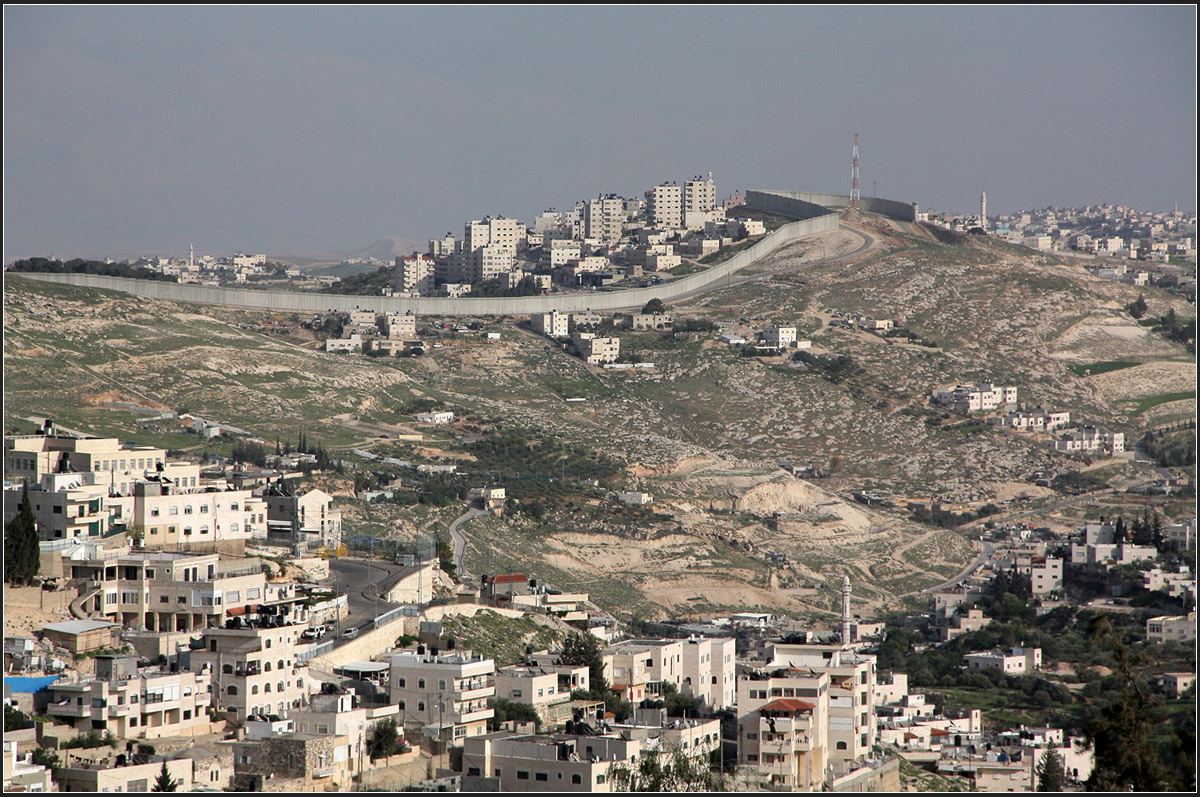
<point x="664" y="207"/>
<point x="446" y="692"/>
<point x="1018" y="661"/>
<point x="596" y="349"/>
<point x="556" y="762"/>
<point x="1090" y="439"/>
<point x="645" y="663"/>
<point x="1167" y="628"/>
<point x="29" y="457"/>
<point x="783" y="722"/>
<point x="976" y="397"/>
<point x="604" y="218"/>
<point x="342" y="715"/>
<point x="415" y="275"/>
<point x="20" y="773"/>
<point x="1037" y="420"/>
<point x="106" y="776"/>
<point x="173" y="517"/>
<point x="852" y="726"/>
<point x="779" y="337"/>
<point x="312" y="512"/>
<point x="255" y="670"/>
<point x="71" y="506"/>
<point x="534" y="686"/>
<point x="175" y="591"/>
<point x="552" y="324"/>
<point x="295" y="760"/>
<point x="132" y="703"/>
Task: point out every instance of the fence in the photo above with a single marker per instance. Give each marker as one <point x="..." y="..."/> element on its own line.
<point x="315" y="650"/>
<point x="391" y="616"/>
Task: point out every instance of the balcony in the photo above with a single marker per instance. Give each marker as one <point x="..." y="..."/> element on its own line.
<point x="462" y="716"/>
<point x="68" y="710"/>
<point x="323" y="772"/>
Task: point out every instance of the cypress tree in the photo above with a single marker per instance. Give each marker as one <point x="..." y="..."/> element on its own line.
<point x="21" y="551"/>
<point x="165" y="782"/>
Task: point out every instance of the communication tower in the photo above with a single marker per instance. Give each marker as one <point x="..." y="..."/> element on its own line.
<point x="855" y="194"/>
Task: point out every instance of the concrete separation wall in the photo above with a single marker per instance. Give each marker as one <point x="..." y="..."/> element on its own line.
<point x="799" y="204"/>
<point x="524" y="305"/>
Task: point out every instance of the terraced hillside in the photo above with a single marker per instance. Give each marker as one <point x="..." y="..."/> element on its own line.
<point x="704" y="430"/>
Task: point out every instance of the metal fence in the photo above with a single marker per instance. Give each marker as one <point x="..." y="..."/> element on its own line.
<point x="390" y="616"/>
<point x="315" y="650"/>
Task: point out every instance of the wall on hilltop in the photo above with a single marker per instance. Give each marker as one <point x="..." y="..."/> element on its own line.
<point x="804" y="204"/>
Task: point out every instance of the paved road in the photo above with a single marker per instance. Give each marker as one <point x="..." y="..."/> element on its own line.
<point x="460" y="541"/>
<point x="362" y="580"/>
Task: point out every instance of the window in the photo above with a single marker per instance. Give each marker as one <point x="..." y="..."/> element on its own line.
<point x="577" y="779"/>
<point x="601" y="778"/>
<point x="154" y="512"/>
<point x="252" y="594"/>
<point x="421" y="705"/>
<point x="164" y="599"/>
<point x="441" y="686"/>
<point x="187" y="510"/>
<point x="174" y="510"/>
<point x="540" y="776"/>
<point x="420" y="683"/>
<point x="402" y="683"/>
<point x="524" y="775"/>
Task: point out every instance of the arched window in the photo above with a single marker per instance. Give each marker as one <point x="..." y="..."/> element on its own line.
<point x="227" y="669"/>
<point x="279" y="688"/>
<point x="268" y="643"/>
<point x="254" y="689"/>
<point x="267" y="667"/>
<point x="231" y="690"/>
<point x="841" y="745"/>
<point x="281" y="664"/>
<point x="267" y="687"/>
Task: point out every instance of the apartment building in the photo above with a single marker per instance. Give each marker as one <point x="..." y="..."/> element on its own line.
<point x="604" y="218"/>
<point x="106" y="776"/>
<point x="709" y="671"/>
<point x="1018" y="661"/>
<point x="779" y="337"/>
<point x="639" y="667"/>
<point x="174" y="517"/>
<point x="551" y="763"/>
<point x="1167" y="628"/>
<point x="783" y="721"/>
<point x="1037" y="420"/>
<point x="29" y="457"/>
<point x="852" y="677"/>
<point x="983" y="396"/>
<point x="132" y="703"/>
<point x="534" y="686"/>
<point x="254" y="668"/>
<point x="554" y="324"/>
<point x="342" y="715"/>
<point x="294" y="761"/>
<point x="20" y="773"/>
<point x="70" y="506"/>
<point x="311" y="511"/>
<point x="595" y="349"/>
<point x="414" y="275"/>
<point x="695" y="738"/>
<point x="1089" y="439"/>
<point x="444" y="693"/>
<point x="174" y="591"/>
<point x="664" y="207"/>
<point x="352" y="344"/>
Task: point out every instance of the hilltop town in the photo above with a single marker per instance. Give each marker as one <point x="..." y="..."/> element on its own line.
<point x="883" y="506"/>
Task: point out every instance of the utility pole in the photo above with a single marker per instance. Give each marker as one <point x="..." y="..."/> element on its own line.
<point x="855" y="193"/>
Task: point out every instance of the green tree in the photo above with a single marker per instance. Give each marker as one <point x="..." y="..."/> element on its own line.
<point x="654" y="307"/>
<point x="1138" y="309"/>
<point x="21" y="552"/>
<point x="15" y="719"/>
<point x="1120" y="735"/>
<point x="165" y="782"/>
<point x="510" y="710"/>
<point x="676" y="773"/>
<point x="383" y="739"/>
<point x="583" y="649"/>
<point x="1050" y="771"/>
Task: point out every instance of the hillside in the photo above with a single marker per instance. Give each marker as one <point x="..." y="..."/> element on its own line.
<point x="703" y="431"/>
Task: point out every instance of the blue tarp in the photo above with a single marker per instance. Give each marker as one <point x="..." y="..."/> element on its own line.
<point x="23" y="684"/>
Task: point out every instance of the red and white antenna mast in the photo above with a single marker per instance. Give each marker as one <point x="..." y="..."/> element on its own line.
<point x="855" y="193"/>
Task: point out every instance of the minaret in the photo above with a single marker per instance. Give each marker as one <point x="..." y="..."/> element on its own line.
<point x="983" y="210"/>
<point x="846" y="610"/>
<point x="191" y="255"/>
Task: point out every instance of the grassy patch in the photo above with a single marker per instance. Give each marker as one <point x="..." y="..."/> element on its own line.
<point x="1163" y="398"/>
<point x="1095" y="369"/>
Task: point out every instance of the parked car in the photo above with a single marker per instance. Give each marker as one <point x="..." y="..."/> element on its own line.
<point x="350" y="633"/>
<point x="316" y="632"/>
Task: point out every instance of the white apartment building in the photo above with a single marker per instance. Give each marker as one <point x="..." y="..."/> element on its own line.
<point x="446" y="694"/>
<point x="65" y="506"/>
<point x="557" y="252"/>
<point x="172" y="591"/>
<point x="779" y="337"/>
<point x="254" y="669"/>
<point x="534" y="686"/>
<point x="415" y="275"/>
<point x="1167" y="628"/>
<point x="549" y="763"/>
<point x="1037" y="420"/>
<point x="170" y="517"/>
<point x="1089" y="439"/>
<point x="664" y="207"/>
<point x="709" y="671"/>
<point x="312" y="510"/>
<point x="699" y="194"/>
<point x="783" y="722"/>
<point x="596" y="350"/>
<point x="401" y="326"/>
<point x="145" y="704"/>
<point x="604" y="218"/>
<point x="852" y="677"/>
<point x="354" y="343"/>
<point x="1018" y="661"/>
<point x="983" y="396"/>
<point x="30" y="457"/>
<point x="554" y="324"/>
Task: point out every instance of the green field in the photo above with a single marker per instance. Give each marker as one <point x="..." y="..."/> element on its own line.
<point x="1164" y="398"/>
<point x="1096" y="369"/>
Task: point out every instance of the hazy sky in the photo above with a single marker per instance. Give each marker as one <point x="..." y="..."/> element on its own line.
<point x="287" y="130"/>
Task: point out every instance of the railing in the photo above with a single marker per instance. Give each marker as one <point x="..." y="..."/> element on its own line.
<point x="390" y="616"/>
<point x="313" y="651"/>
